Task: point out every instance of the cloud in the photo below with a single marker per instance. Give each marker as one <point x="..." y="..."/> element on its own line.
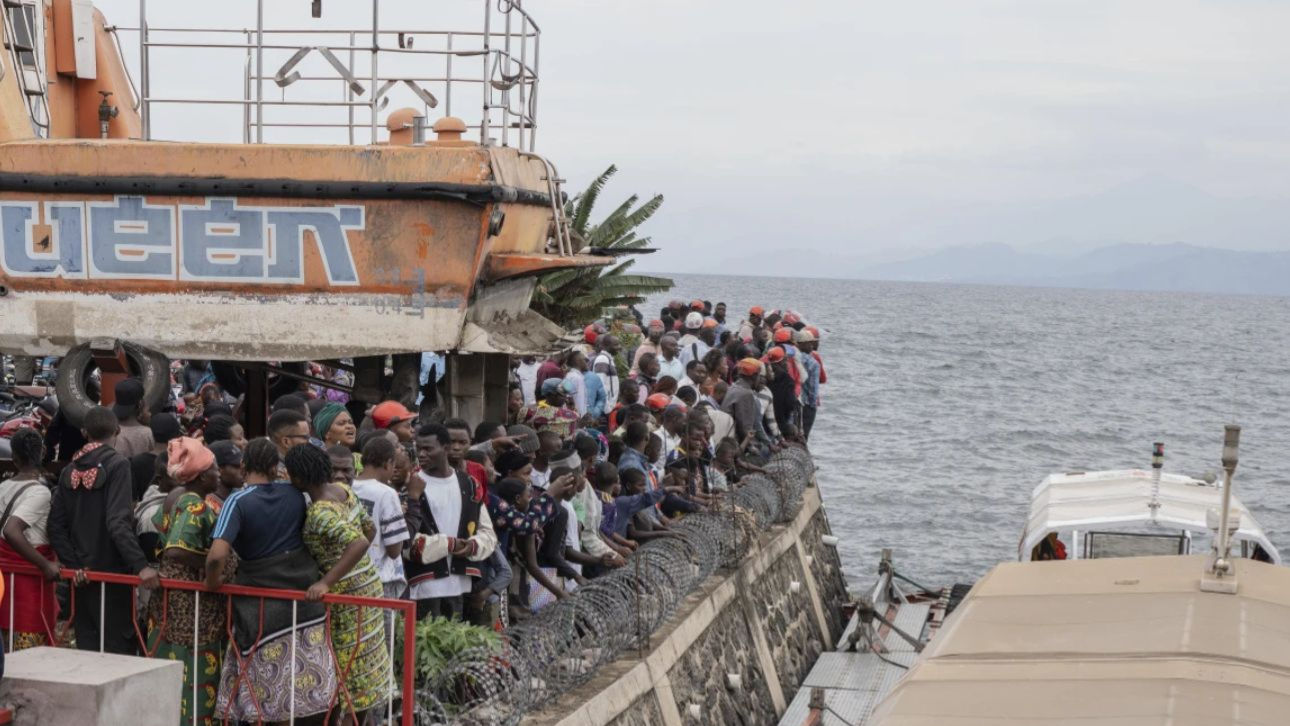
<point x="861" y="129"/>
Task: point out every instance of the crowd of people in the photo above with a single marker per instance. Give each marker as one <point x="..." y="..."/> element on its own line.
<point x="603" y="447"/>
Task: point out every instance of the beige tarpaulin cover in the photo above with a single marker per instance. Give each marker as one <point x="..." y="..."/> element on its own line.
<point x="1102" y="642"/>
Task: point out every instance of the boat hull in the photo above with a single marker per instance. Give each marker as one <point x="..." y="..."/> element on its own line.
<point x="267" y="252"/>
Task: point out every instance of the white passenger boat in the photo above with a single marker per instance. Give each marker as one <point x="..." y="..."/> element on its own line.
<point x="1134" y="601"/>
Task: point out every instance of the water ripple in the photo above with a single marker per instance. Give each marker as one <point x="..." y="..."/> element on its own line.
<point x="947" y="404"/>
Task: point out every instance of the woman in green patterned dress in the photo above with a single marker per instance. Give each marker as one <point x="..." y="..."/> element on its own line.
<point x="184" y="542"/>
<point x="336" y="532"/>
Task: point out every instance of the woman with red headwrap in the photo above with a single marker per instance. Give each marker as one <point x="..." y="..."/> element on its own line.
<point x="171" y="617"/>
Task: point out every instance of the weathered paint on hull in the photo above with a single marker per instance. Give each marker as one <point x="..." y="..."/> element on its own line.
<point x="256" y="246"/>
<point x="274" y="275"/>
<point x="229" y="327"/>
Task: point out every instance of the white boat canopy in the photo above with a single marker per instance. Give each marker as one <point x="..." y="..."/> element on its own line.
<point x="1123" y="501"/>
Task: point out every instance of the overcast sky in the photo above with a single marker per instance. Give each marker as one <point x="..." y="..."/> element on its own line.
<point x="863" y="131"/>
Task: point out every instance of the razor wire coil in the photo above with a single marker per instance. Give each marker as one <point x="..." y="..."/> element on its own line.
<point x="566" y="643"/>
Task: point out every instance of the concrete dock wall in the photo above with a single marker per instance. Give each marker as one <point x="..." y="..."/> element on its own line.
<point x="736" y="650"/>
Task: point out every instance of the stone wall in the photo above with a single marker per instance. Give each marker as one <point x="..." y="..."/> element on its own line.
<point x="782" y="604"/>
<point x="764" y="623"/>
<point x="825" y="565"/>
<point x="701" y="675"/>
<point x="644" y="711"/>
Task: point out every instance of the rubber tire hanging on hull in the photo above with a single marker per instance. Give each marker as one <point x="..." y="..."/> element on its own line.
<point x="232" y="379"/>
<point x="74" y="398"/>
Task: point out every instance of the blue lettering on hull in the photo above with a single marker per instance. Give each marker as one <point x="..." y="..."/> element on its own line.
<point x="218" y="241"/>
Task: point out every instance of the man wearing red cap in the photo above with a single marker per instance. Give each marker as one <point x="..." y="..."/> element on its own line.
<point x="395" y="417"/>
<point x="795" y="371"/>
<point x="656" y="402"/>
<point x="783" y="388"/>
<point x="741" y="402"/>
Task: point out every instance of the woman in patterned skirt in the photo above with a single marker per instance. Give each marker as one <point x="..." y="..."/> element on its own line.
<point x="172" y="617"/>
<point x="273" y="640"/>
<point x="336" y="532"/>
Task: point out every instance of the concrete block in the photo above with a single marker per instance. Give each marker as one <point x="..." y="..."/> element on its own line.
<point x="67" y="687"/>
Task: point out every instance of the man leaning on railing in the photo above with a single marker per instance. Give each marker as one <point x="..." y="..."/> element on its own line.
<point x="91" y="526"/>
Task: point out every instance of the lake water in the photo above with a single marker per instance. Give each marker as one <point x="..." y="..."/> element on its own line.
<point x="947" y="404"/>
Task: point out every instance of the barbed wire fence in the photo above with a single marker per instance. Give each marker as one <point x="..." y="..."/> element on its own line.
<point x="567" y="642"/>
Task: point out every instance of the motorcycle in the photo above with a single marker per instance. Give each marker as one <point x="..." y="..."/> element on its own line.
<point x="24" y="406"/>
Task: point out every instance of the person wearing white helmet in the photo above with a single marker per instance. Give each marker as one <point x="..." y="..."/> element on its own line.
<point x="696" y="343"/>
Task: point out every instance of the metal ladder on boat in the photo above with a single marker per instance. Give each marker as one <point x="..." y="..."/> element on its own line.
<point x="560" y="228"/>
<point x="30" y="76"/>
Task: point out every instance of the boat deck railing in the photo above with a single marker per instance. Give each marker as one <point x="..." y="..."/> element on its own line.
<point x="283" y="78"/>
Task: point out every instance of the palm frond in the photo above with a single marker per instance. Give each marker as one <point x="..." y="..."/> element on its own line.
<point x="609" y="232"/>
<point x="600" y="235"/>
<point x="576" y="296"/>
<point x="619" y="268"/>
<point x="586" y="201"/>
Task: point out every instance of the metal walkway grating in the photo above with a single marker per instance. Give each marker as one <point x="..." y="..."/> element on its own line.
<point x="855" y="683"/>
<point x="910" y="618"/>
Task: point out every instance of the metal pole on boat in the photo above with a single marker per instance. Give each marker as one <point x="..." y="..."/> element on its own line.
<point x="418" y="130"/>
<point x="1221" y="577"/>
<point x="1157" y="464"/>
<point x="488" y="23"/>
<point x="259" y="72"/>
<point x="144" y="103"/>
<point x="1231" y="444"/>
<point x="376" y="48"/>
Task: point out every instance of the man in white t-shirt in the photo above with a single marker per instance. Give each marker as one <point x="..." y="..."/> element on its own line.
<point x="572" y="540"/>
<point x="526" y="372"/>
<point x="577" y="361"/>
<point x="703" y="341"/>
<point x="693" y="323"/>
<point x="695" y="374"/>
<point x="450" y="528"/>
<point x="548" y="445"/>
<point x="671" y="425"/>
<point x="606" y="367"/>
<point x="723" y="424"/>
<point x="382" y="504"/>
<point x="669" y="364"/>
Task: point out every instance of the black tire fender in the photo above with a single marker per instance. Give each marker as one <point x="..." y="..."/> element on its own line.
<point x="74" y="396"/>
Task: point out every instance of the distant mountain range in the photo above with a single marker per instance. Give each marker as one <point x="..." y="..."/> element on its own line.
<point x="1162" y="267"/>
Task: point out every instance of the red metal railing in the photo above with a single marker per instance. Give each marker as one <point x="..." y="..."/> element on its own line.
<point x="405" y="607"/>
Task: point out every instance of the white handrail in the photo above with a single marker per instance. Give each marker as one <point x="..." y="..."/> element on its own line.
<point x="508" y="48"/>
